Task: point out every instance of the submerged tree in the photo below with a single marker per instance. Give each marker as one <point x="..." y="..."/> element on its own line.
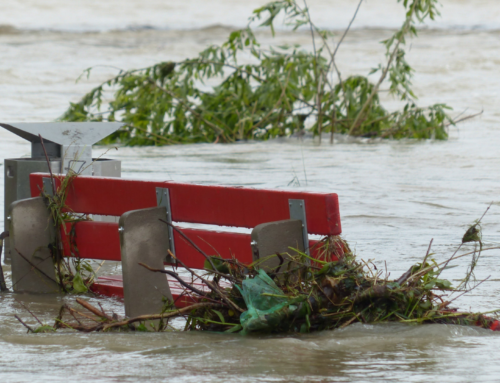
<point x="270" y="95"/>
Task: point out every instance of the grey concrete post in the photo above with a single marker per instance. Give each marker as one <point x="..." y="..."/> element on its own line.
<point x="17" y="185"/>
<point x="143" y="238"/>
<point x="31" y="232"/>
<point x="276" y="237"/>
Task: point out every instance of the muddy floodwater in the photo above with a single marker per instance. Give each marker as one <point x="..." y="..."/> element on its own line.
<point x="394" y="196"/>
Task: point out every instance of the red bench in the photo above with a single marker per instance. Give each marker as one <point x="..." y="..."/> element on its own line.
<point x="184" y="203"/>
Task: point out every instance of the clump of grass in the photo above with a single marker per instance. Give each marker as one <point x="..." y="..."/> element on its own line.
<point x="73" y="274"/>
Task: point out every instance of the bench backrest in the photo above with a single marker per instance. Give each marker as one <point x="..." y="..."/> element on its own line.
<point x="213" y="205"/>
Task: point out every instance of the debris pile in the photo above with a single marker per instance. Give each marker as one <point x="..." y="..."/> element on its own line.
<point x="303" y="295"/>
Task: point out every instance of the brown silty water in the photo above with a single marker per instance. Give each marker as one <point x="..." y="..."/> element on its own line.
<point x="394" y="196"/>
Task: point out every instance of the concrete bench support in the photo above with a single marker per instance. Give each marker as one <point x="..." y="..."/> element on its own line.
<point x="143" y="238"/>
<point x="31" y="232"/>
<point x="276" y="237"/>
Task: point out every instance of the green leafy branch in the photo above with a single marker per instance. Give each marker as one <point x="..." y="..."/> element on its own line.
<point x="239" y="90"/>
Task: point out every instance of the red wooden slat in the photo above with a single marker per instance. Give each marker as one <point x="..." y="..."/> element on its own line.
<point x="224" y="244"/>
<point x="108" y="289"/>
<point x="113" y="289"/>
<point x="93" y="240"/>
<point x="214" y="205"/>
<point x="100" y="240"/>
<point x="112" y="286"/>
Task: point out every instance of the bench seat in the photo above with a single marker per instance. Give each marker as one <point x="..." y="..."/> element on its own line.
<point x="112" y="286"/>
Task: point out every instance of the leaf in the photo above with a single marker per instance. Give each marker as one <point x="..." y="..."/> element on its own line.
<point x="473" y="234"/>
<point x="44" y="329"/>
<point x="426" y="305"/>
<point x="142" y="327"/>
<point x="324" y="270"/>
<point x="443" y="284"/>
<point x="78" y="285"/>
<point x="219" y="264"/>
<point x="219" y="314"/>
<point x="234" y="329"/>
<point x="213" y="98"/>
<point x="430" y="285"/>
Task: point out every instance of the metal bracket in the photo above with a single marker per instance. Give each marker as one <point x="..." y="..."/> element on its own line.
<point x="47" y="186"/>
<point x="298" y="211"/>
<point x="163" y="199"/>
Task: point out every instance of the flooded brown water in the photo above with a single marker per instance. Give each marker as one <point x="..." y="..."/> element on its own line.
<point x="394" y="196"/>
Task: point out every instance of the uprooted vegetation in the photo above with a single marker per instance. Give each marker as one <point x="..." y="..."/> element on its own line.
<point x="265" y="92"/>
<point x="302" y="294"/>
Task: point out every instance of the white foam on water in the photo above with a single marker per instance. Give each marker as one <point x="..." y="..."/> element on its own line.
<point x="96" y="15"/>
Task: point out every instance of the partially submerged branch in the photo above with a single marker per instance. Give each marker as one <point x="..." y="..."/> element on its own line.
<point x="273" y="95"/>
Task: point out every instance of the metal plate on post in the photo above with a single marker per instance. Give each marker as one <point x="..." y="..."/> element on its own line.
<point x="47" y="186"/>
<point x="298" y="211"/>
<point x="163" y="200"/>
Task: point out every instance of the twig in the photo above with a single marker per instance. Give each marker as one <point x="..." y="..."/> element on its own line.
<point x="212" y="286"/>
<point x="186" y="106"/>
<point x="273" y="109"/>
<point x="236" y="68"/>
<point x="171" y="314"/>
<point x="403" y="278"/>
<point x="191" y="242"/>
<point x="488" y="208"/>
<point x="459" y="247"/>
<point x="319" y="121"/>
<point x="48" y="164"/>
<point x="427" y="269"/>
<point x="176" y="276"/>
<point x="345" y="33"/>
<point x="28" y="310"/>
<point x="464" y="118"/>
<point x="469" y="290"/>
<point x="58" y="320"/>
<point x="36" y="267"/>
<point x="24" y="324"/>
<point x="72" y="310"/>
<point x="74" y="316"/>
<point x="427" y="254"/>
<point x="93" y="309"/>
<point x="332" y="62"/>
<point x="368" y="102"/>
<point x="81" y="328"/>
<point x="58" y="256"/>
<point x="100" y="306"/>
<point x="281" y="262"/>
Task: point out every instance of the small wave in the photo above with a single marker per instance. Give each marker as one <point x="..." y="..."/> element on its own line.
<point x="439" y="28"/>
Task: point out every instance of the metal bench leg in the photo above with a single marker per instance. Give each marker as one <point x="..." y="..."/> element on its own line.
<point x="143" y="238"/>
<point x="31" y="232"/>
